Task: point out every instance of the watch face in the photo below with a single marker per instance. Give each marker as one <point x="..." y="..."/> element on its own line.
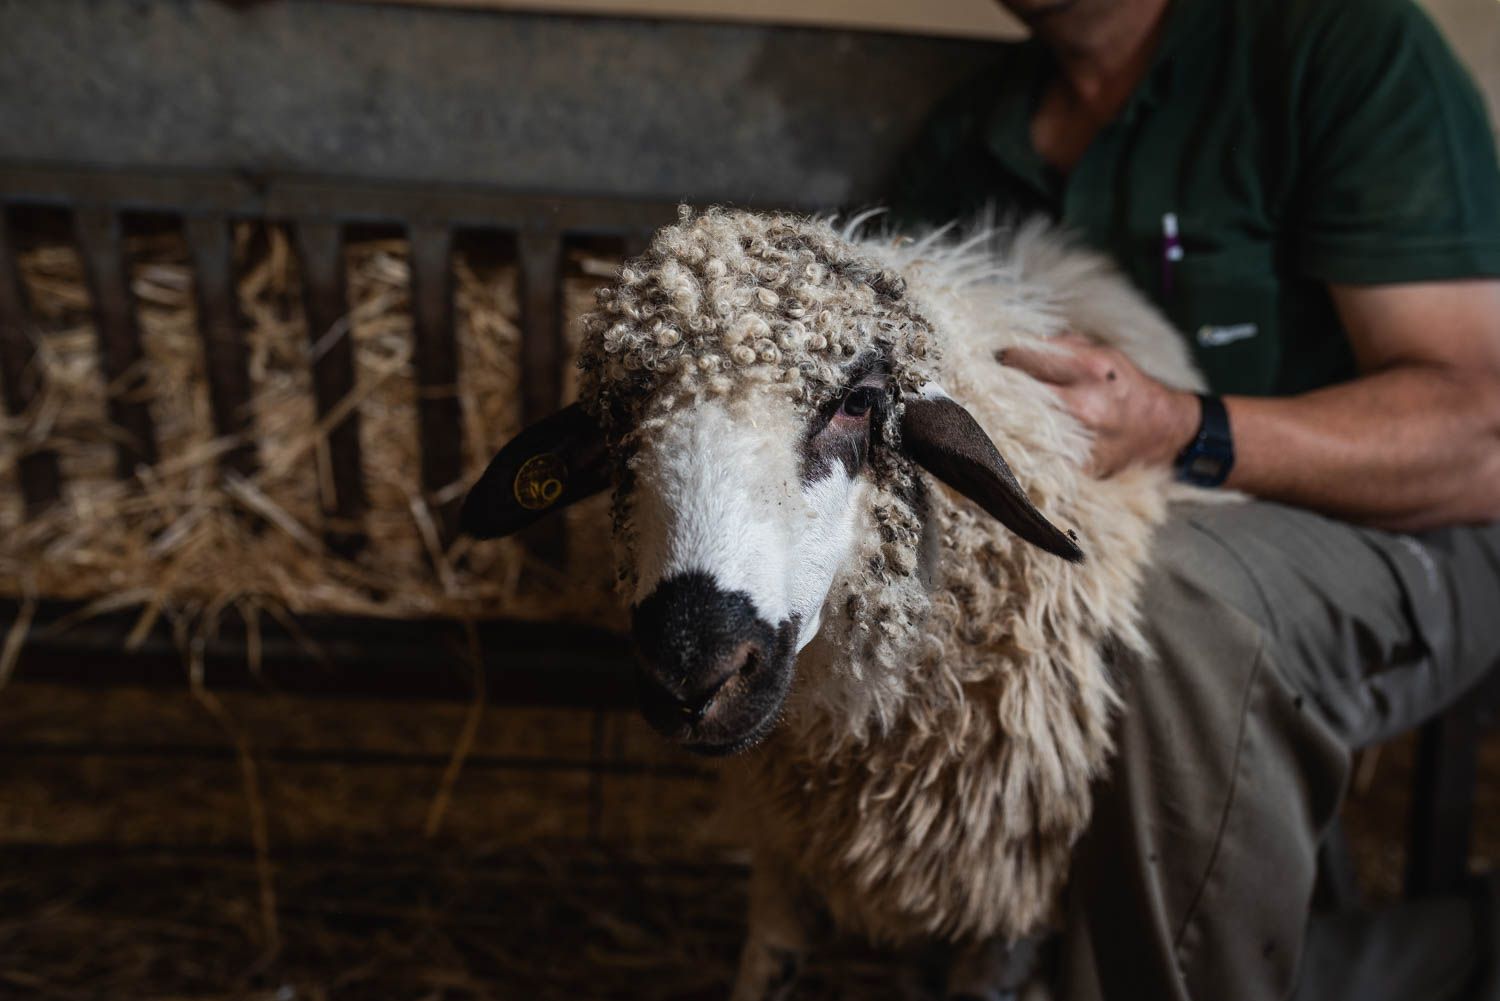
<point x="1204" y="467"/>
<point x="1207" y="460"/>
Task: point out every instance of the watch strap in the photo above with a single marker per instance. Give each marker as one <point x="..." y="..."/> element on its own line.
<point x="1208" y="458"/>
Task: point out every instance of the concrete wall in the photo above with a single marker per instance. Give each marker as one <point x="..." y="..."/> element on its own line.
<point x="422" y="92"/>
<point x="522" y="101"/>
<point x="1472" y="26"/>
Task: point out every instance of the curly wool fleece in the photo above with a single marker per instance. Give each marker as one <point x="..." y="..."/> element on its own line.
<point x="933" y="768"/>
<point x="726" y="301"/>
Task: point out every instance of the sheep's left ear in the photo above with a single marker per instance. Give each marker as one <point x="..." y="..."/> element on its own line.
<point x="553" y="463"/>
<point x="948" y="442"/>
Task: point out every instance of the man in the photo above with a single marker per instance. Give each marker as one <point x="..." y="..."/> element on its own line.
<point x="1308" y="189"/>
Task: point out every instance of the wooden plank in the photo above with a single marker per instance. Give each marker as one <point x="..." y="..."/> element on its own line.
<point x="224" y="351"/>
<point x="439" y="413"/>
<point x="957" y="18"/>
<point x="542" y="349"/>
<point x="320" y="247"/>
<point x="20" y="380"/>
<point x="543" y="353"/>
<point x="101" y="243"/>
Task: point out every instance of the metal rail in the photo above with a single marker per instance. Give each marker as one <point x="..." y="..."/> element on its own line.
<point x="318" y="211"/>
<point x="526" y="661"/>
<point x="530" y="663"/>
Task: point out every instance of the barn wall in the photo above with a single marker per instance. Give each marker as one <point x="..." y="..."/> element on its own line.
<point x="590" y="105"/>
<point x="1473" y="26"/>
<point x="427" y="92"/>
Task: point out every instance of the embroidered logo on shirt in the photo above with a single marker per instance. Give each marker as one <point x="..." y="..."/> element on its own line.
<point x="1217" y="337"/>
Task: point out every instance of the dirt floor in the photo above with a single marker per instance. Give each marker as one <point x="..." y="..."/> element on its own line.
<point x="144" y="856"/>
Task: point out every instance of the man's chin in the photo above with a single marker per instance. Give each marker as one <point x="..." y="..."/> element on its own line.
<point x="1034" y="13"/>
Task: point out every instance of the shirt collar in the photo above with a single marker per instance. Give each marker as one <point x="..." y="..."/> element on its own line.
<point x="1008" y="128"/>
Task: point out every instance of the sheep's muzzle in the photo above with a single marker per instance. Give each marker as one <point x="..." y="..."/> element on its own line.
<point x="711" y="672"/>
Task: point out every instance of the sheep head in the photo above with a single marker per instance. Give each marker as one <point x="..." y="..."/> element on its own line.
<point x="759" y="396"/>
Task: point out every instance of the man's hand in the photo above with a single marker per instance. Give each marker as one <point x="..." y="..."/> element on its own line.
<point x="1412" y="443"/>
<point x="1134" y="418"/>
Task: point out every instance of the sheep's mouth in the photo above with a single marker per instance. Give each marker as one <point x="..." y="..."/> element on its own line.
<point x="757" y="733"/>
<point x="741" y="713"/>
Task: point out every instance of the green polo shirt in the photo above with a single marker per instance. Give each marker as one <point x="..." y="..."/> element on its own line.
<point x="1294" y="142"/>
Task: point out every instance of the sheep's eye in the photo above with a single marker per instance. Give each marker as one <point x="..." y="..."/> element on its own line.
<point x="858" y="402"/>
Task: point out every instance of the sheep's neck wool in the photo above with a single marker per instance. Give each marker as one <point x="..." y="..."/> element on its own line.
<point x="933" y="769"/>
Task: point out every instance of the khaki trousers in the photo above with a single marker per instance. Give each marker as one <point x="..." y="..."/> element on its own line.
<point x="1285" y="642"/>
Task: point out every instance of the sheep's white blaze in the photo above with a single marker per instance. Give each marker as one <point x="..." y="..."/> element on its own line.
<point x="721" y="494"/>
<point x="825" y="546"/>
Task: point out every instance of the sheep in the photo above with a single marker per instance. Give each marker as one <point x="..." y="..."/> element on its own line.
<point x="907" y="680"/>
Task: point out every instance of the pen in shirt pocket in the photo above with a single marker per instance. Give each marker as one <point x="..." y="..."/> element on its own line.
<point x="1171" y="251"/>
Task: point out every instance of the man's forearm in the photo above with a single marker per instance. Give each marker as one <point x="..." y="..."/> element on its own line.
<point x="1413" y="442"/>
<point x="1408" y="448"/>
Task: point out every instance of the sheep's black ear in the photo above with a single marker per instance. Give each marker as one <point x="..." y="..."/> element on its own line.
<point x="948" y="442"/>
<point x="556" y="461"/>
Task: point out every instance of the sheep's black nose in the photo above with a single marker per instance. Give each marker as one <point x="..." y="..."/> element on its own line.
<point x="695" y="638"/>
<point x="694" y="704"/>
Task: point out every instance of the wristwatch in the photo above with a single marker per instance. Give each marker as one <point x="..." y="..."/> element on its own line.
<point x="1207" y="459"/>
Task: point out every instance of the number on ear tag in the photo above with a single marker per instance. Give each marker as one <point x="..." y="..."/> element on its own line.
<point x="540" y="481"/>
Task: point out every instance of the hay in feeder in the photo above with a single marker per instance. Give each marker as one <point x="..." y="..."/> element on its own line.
<point x="181" y="541"/>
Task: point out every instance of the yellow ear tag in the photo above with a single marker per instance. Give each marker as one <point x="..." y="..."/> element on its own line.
<point x="540" y="481"/>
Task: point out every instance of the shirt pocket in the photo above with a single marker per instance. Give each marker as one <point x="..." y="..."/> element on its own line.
<point x="1230" y="313"/>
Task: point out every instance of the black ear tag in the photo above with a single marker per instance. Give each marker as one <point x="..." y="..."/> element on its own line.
<point x="553" y="463"/>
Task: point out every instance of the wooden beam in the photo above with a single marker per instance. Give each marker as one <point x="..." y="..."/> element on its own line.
<point x="943" y="18"/>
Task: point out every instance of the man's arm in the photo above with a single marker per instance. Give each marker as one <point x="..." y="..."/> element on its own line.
<point x="1412" y="443"/>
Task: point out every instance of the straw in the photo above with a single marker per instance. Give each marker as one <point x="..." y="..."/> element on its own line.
<point x="184" y="535"/>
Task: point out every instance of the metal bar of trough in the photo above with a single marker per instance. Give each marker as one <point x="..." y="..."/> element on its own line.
<point x="102" y="247"/>
<point x="543" y="354"/>
<point x="224" y="352"/>
<point x="439" y="414"/>
<point x="332" y="200"/>
<point x="320" y="246"/>
<point x="550" y="663"/>
<point x="20" y="380"/>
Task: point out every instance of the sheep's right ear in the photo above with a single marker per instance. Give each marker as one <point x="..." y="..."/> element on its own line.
<point x="948" y="442"/>
<point x="556" y="461"/>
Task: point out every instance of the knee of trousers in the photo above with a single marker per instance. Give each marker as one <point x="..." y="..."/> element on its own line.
<point x="1213" y="675"/>
<point x="1201" y="599"/>
<point x="1223" y="774"/>
<point x="1208" y="633"/>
